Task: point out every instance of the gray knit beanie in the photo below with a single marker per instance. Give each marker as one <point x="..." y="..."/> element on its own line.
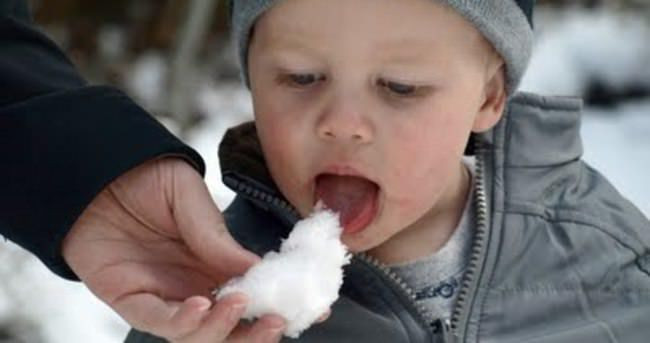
<point x="507" y="24"/>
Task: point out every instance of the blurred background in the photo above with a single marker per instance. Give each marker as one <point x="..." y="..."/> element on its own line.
<point x="174" y="57"/>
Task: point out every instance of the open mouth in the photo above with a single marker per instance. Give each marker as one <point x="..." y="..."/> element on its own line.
<point x="355" y="198"/>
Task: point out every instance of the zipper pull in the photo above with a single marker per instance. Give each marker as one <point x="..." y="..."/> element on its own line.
<point x="442" y="329"/>
<point x="447" y="334"/>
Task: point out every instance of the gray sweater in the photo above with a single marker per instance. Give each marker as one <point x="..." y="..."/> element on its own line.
<point x="436" y="278"/>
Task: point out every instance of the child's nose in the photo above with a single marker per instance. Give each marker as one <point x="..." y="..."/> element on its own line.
<point x="346" y="124"/>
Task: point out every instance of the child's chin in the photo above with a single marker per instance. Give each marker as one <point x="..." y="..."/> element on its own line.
<point x="355" y="247"/>
<point x="358" y="243"/>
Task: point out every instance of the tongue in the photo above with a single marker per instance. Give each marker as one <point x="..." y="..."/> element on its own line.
<point x="354" y="198"/>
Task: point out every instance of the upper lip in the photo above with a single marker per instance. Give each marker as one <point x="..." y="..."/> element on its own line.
<point x="341" y="170"/>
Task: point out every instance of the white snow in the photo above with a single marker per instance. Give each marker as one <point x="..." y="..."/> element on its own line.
<point x="617" y="143"/>
<point x="147" y="80"/>
<point x="577" y="45"/>
<point x="302" y="280"/>
<point x="225" y="106"/>
<point x="62" y="311"/>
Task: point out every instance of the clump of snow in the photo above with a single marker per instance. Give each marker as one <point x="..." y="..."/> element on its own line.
<point x="300" y="282"/>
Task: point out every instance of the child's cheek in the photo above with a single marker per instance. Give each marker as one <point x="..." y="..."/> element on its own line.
<point x="286" y="160"/>
<point x="418" y="176"/>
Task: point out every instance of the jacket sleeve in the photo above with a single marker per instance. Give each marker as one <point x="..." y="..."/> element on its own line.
<point x="61" y="140"/>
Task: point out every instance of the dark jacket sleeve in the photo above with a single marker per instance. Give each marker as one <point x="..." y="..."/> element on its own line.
<point x="61" y="140"/>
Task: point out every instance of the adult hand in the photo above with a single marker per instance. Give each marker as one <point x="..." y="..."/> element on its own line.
<point x="153" y="245"/>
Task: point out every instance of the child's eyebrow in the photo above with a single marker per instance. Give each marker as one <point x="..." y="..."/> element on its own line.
<point x="293" y="43"/>
<point x="409" y="53"/>
<point x="293" y="50"/>
<point x="287" y="56"/>
<point x="393" y="52"/>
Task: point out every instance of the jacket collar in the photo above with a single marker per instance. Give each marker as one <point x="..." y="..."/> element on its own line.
<point x="538" y="131"/>
<point x="240" y="154"/>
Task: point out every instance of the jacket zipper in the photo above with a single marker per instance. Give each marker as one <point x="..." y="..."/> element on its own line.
<point x="449" y="328"/>
<point x="394" y="280"/>
<point x="458" y="322"/>
<point x="421" y="313"/>
<point x="252" y="192"/>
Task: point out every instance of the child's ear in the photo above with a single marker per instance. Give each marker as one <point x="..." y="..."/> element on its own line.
<point x="494" y="102"/>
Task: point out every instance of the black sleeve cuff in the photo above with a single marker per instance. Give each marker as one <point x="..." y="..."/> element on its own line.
<point x="60" y="150"/>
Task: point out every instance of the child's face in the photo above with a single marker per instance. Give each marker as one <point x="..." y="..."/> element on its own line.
<point x="387" y="91"/>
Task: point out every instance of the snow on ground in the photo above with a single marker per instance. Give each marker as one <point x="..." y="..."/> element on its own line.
<point x="576" y="46"/>
<point x="616" y="141"/>
<point x="63" y="311"/>
<point x="147" y="79"/>
<point x="225" y="106"/>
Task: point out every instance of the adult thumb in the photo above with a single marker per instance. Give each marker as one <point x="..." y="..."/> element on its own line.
<point x="202" y="226"/>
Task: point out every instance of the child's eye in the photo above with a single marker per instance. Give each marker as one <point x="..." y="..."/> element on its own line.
<point x="401" y="90"/>
<point x="301" y="80"/>
<point x="398" y="88"/>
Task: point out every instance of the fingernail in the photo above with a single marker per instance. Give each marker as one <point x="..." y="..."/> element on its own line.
<point x="277" y="332"/>
<point x="236" y="311"/>
<point x="204" y="306"/>
<point x="277" y="327"/>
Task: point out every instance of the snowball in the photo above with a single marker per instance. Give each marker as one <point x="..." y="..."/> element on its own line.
<point x="300" y="282"/>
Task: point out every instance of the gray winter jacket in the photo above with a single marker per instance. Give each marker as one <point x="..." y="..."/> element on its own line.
<point x="559" y="254"/>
